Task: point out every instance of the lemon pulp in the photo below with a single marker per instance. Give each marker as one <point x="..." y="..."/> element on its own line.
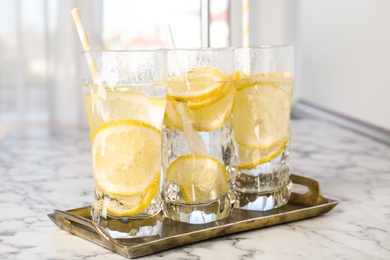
<point x="124" y="105"/>
<point x="201" y="178"/>
<point x="207" y="97"/>
<point x="261" y="117"/>
<point x="126" y="161"/>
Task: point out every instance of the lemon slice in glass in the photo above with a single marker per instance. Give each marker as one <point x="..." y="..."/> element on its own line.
<point x="126" y="206"/>
<point x="126" y="161"/>
<point x="201" y="178"/>
<point x="204" y="116"/>
<point x="210" y="116"/>
<point x="251" y="157"/>
<point x="124" y="105"/>
<point x="207" y="107"/>
<point x="197" y="85"/>
<point x="261" y="114"/>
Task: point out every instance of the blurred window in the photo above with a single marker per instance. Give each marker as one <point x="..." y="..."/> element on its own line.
<point x="126" y="27"/>
<point x="219" y="23"/>
<point x="39" y="48"/>
<point x="139" y="24"/>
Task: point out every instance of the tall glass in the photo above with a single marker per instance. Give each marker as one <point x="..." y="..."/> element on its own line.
<point x="124" y="97"/>
<point x="197" y="135"/>
<point x="261" y="123"/>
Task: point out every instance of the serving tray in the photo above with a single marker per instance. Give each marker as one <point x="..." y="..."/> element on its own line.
<point x="300" y="206"/>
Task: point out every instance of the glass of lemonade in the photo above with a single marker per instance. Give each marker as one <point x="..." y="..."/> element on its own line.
<point x="124" y="97"/>
<point x="197" y="135"/>
<point x="261" y="125"/>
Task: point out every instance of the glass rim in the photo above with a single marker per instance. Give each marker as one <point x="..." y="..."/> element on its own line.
<point x="266" y="46"/>
<point x="203" y="49"/>
<point x="125" y="51"/>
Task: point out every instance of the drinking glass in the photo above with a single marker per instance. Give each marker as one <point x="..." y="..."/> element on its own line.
<point x="197" y="135"/>
<point x="124" y="98"/>
<point x="261" y="126"/>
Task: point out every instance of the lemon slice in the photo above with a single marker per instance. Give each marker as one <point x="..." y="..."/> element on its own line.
<point x="205" y="115"/>
<point x="125" y="206"/>
<point x="201" y="178"/>
<point x="208" y="117"/>
<point x="172" y="116"/>
<point x="261" y="114"/>
<point x="251" y="157"/>
<point x="196" y="85"/>
<point x="126" y="161"/>
<point x="124" y="105"/>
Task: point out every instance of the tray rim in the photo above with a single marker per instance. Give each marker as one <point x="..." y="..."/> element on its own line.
<point x="83" y="227"/>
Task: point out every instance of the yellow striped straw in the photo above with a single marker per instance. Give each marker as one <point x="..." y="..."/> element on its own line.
<point x="80" y="30"/>
<point x="245" y="23"/>
<point x="85" y="43"/>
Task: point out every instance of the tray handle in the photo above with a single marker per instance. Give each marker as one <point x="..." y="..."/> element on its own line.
<point x="77" y="221"/>
<point x="312" y="197"/>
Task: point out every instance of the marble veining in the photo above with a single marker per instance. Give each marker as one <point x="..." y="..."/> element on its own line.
<point x="42" y="169"/>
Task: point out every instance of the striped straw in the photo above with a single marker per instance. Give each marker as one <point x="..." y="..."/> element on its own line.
<point x="194" y="140"/>
<point x="85" y="43"/>
<point x="245" y="37"/>
<point x="245" y="23"/>
<point x="82" y="35"/>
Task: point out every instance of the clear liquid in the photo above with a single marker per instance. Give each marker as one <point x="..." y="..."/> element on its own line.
<point x="141" y="103"/>
<point x="264" y="183"/>
<point x="219" y="146"/>
<point x="265" y="186"/>
<point x="144" y="103"/>
<point x="145" y="224"/>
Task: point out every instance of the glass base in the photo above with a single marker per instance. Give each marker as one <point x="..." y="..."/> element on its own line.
<point x="200" y="213"/>
<point x="262" y="201"/>
<point x="266" y="186"/>
<point x="128" y="228"/>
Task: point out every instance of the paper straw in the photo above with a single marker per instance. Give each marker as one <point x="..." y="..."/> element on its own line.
<point x="172" y="46"/>
<point x="194" y="140"/>
<point x="245" y="23"/>
<point x="85" y="43"/>
<point x="169" y="37"/>
<point x="80" y="30"/>
<point x="245" y="37"/>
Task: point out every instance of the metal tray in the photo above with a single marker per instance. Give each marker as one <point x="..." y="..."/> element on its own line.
<point x="173" y="234"/>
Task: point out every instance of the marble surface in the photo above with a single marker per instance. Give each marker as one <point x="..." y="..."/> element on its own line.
<point x="42" y="169"/>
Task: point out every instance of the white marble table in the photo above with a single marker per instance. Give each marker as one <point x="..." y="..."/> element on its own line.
<point x="42" y="169"/>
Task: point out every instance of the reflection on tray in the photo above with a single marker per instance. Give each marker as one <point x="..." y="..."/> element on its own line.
<point x="173" y="234"/>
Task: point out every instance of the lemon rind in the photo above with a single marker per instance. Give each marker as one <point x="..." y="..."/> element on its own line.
<point x="181" y="159"/>
<point x="155" y="178"/>
<point x="250" y="143"/>
<point x="273" y="154"/>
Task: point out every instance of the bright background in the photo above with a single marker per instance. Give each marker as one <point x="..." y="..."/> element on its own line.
<point x="342" y="49"/>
